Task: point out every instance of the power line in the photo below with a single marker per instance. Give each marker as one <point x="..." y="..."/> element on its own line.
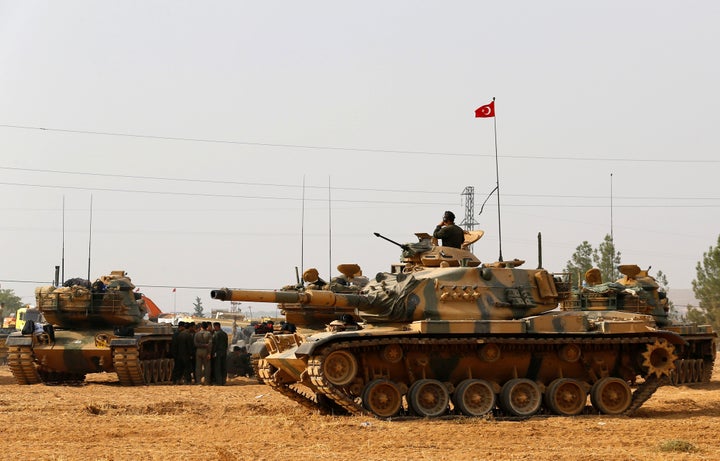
<point x="620" y="158"/>
<point x="352" y="189"/>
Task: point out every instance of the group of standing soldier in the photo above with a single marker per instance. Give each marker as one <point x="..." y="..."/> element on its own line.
<point x="200" y="353"/>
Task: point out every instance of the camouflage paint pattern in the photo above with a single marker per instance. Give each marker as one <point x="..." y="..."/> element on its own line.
<point x="481" y="338"/>
<point x="86" y="329"/>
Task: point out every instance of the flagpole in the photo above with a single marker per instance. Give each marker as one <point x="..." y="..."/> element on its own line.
<point x="497" y="184"/>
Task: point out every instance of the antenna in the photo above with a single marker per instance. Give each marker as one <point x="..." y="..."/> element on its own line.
<point x="497" y="186"/>
<point x="329" y="231"/>
<point x="62" y="259"/>
<point x="90" y="237"/>
<point x="612" y="237"/>
<point x="302" y="229"/>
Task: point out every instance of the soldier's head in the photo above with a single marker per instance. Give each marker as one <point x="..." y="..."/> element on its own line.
<point x="449" y="217"/>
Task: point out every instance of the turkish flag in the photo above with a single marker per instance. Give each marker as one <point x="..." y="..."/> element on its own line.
<point x="173" y="290"/>
<point x="488" y="110"/>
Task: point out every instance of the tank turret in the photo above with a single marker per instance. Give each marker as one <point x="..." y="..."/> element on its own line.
<point x="635" y="292"/>
<point x="495" y="292"/>
<point x="110" y="301"/>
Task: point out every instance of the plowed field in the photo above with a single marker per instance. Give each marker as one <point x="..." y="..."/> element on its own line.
<point x="244" y="420"/>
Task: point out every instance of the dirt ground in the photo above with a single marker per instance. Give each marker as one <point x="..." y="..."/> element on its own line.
<point x="244" y="420"/>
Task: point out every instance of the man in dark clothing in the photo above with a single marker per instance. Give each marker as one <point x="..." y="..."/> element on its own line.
<point x="183" y="349"/>
<point x="219" y="355"/>
<point x="450" y="234"/>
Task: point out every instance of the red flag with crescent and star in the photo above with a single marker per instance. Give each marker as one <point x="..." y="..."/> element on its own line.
<point x="488" y="110"/>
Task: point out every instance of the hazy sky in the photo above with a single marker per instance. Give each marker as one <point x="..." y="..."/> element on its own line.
<point x="192" y="127"/>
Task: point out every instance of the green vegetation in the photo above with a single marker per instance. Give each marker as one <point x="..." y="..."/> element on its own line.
<point x="706" y="287"/>
<point x="604" y="257"/>
<point x="198" y="307"/>
<point x="677" y="446"/>
<point x="10" y="301"/>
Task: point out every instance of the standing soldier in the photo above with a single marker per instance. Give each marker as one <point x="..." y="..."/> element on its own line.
<point x="203" y="348"/>
<point x="183" y="355"/>
<point x="219" y="354"/>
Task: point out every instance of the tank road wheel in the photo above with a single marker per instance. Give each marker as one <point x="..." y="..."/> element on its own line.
<point x="659" y="358"/>
<point x="428" y="397"/>
<point x="340" y="367"/>
<point x="521" y="397"/>
<point x="611" y="396"/>
<point x="147" y="374"/>
<point x="566" y="397"/>
<point x="474" y="397"/>
<point x="382" y="398"/>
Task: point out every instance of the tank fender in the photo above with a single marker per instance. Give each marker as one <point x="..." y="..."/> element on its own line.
<point x="672" y="338"/>
<point x="18" y="340"/>
<point x="317" y="340"/>
<point x="120" y="342"/>
<point x="258" y="348"/>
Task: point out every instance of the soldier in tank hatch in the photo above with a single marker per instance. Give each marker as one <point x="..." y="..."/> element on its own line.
<point x="450" y="234"/>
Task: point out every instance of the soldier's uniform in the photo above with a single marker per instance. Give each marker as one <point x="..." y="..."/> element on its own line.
<point x="203" y="348"/>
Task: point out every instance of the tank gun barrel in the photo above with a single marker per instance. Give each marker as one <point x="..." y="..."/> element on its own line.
<point x="309" y="297"/>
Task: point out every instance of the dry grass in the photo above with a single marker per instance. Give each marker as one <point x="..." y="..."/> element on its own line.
<point x="243" y="420"/>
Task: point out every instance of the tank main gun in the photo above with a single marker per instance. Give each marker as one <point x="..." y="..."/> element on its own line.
<point x="308" y="297"/>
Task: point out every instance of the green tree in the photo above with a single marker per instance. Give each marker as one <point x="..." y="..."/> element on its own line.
<point x="198" y="307"/>
<point x="606" y="258"/>
<point x="579" y="263"/>
<point x="663" y="285"/>
<point x="10" y="302"/>
<point x="706" y="287"/>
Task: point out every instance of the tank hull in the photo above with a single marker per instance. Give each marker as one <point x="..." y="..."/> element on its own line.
<point x="547" y="364"/>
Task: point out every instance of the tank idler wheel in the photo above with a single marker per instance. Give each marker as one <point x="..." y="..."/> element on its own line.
<point x="474" y="397"/>
<point x="566" y="397"/>
<point x="382" y="397"/>
<point x="340" y="367"/>
<point x="611" y="396"/>
<point x="428" y="398"/>
<point x="521" y="397"/>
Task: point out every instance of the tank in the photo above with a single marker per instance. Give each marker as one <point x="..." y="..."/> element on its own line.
<point x="442" y="332"/>
<point x="91" y="328"/>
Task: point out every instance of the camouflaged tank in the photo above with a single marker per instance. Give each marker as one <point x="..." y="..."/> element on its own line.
<point x="442" y="332"/>
<point x="90" y="329"/>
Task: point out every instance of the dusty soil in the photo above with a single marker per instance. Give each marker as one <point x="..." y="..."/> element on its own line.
<point x="244" y="420"/>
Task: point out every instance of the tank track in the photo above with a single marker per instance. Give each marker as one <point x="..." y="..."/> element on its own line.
<point x="315" y="371"/>
<point x="21" y="361"/>
<point x="354" y="406"/>
<point x="297" y="392"/>
<point x="132" y="371"/>
<point x="644" y="391"/>
<point x="255" y="363"/>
